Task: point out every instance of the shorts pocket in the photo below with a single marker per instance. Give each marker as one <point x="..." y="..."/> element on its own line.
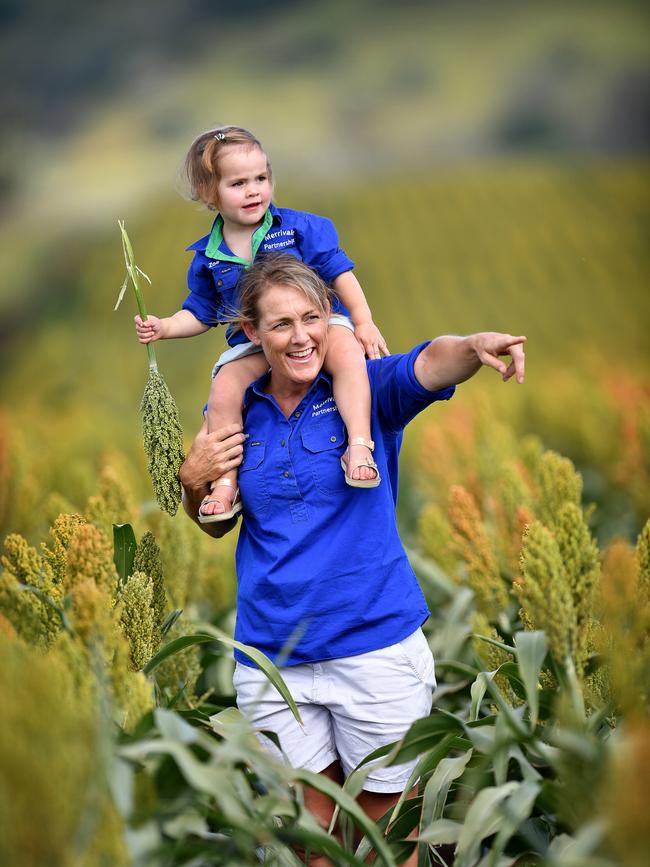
<point x="417" y="654"/>
<point x="324" y="444"/>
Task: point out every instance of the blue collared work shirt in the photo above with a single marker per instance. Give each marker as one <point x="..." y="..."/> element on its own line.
<point x="314" y="553"/>
<point x="215" y="270"/>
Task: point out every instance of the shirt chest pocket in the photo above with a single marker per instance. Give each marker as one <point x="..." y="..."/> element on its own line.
<point x="254" y="492"/>
<point x="324" y="444"/>
<point x="225" y="279"/>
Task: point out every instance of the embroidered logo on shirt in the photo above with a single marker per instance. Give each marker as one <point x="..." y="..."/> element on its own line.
<point x="285" y="238"/>
<point x="324" y="406"/>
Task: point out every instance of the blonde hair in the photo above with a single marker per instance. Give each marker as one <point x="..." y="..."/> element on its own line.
<point x="279" y="269"/>
<point x="201" y="167"/>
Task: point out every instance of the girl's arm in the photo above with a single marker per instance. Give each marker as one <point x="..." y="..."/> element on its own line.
<point x="349" y="290"/>
<point x="451" y="360"/>
<point x="181" y="324"/>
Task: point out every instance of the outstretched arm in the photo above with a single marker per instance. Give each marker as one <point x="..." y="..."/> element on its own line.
<point x="181" y="324"/>
<point x="451" y="360"/>
<point x="210" y="456"/>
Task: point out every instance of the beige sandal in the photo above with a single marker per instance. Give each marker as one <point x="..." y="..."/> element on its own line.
<point x="361" y="483"/>
<point x="220" y="516"/>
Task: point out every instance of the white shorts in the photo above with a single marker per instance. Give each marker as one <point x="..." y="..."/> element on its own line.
<point x="241" y="350"/>
<point x="349" y="706"/>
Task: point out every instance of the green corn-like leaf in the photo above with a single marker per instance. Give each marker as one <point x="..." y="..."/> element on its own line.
<point x="531" y="650"/>
<point x="169" y="621"/>
<point x="211" y="633"/>
<point x="516" y="809"/>
<point x="484" y="818"/>
<point x="437" y="788"/>
<point x="124" y="547"/>
<point x="349" y="805"/>
<point x="442" y="831"/>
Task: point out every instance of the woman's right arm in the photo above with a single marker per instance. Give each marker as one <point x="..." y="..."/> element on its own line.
<point x="210" y="456"/>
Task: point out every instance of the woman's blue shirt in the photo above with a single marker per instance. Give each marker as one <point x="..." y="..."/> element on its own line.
<point x="316" y="557"/>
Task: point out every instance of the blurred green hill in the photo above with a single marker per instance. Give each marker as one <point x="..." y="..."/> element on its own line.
<point x="100" y="100"/>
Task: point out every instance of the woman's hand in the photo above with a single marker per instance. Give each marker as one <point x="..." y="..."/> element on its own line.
<point x="371" y="339"/>
<point x="489" y="345"/>
<point x="211" y="455"/>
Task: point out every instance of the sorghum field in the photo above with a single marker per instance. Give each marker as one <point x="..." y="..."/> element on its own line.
<point x="524" y="509"/>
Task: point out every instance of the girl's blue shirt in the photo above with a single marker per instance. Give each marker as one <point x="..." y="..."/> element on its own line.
<point x="314" y="554"/>
<point x="215" y="271"/>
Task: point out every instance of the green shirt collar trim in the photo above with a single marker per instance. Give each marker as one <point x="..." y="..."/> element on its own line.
<point x="212" y="250"/>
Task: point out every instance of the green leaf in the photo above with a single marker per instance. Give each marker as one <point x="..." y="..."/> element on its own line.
<point x="437" y="788"/>
<point x="478" y="690"/>
<point x="494" y="642"/>
<point x="169" y="621"/>
<point x="211" y="633"/>
<point x="323" y="784"/>
<point x="427" y="762"/>
<point x="516" y="809"/>
<point x="124" y="546"/>
<point x="315" y="840"/>
<point x="531" y="650"/>
<point x="484" y="818"/>
<point x="443" y="831"/>
<point x="172" y="726"/>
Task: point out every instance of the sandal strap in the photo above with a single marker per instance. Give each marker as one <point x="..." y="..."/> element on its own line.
<point x="222" y="482"/>
<point x="360" y="441"/>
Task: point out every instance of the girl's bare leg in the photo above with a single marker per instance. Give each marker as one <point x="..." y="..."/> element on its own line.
<point x="225" y="407"/>
<point x="346" y="363"/>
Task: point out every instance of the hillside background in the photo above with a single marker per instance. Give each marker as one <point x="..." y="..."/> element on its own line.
<point x="486" y="165"/>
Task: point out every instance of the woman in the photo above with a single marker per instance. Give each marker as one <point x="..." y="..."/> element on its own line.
<point x="322" y="574"/>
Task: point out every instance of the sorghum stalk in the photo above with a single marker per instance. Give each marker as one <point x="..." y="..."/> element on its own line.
<point x="161" y="427"/>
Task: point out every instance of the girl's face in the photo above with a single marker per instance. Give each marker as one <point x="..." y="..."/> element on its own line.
<point x="245" y="188"/>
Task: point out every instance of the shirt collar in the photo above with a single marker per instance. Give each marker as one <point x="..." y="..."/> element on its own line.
<point x="257" y="389"/>
<point x="210" y="244"/>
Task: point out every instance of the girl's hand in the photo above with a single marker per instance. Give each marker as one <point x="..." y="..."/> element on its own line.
<point x="370" y="338"/>
<point x="149" y="330"/>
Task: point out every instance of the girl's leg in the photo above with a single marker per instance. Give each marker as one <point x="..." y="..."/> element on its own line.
<point x="346" y="363"/>
<point x="224" y="407"/>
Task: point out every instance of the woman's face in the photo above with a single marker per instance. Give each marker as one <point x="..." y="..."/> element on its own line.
<point x="292" y="331"/>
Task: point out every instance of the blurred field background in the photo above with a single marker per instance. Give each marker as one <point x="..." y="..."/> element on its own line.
<point x="485" y="163"/>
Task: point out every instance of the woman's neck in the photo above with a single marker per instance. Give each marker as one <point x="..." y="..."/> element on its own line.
<point x="287" y="395"/>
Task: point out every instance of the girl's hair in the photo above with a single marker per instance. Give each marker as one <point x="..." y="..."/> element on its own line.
<point x="279" y="269"/>
<point x="201" y="168"/>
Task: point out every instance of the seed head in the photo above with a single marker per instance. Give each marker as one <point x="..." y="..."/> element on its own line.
<point x="163" y="441"/>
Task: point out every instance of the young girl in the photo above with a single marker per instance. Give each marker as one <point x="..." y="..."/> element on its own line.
<point x="229" y="172"/>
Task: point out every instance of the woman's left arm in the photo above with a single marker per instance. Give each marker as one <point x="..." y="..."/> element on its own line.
<point x="451" y="360"/>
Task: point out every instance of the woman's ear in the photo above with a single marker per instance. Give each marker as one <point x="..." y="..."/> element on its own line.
<point x="251" y="333"/>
